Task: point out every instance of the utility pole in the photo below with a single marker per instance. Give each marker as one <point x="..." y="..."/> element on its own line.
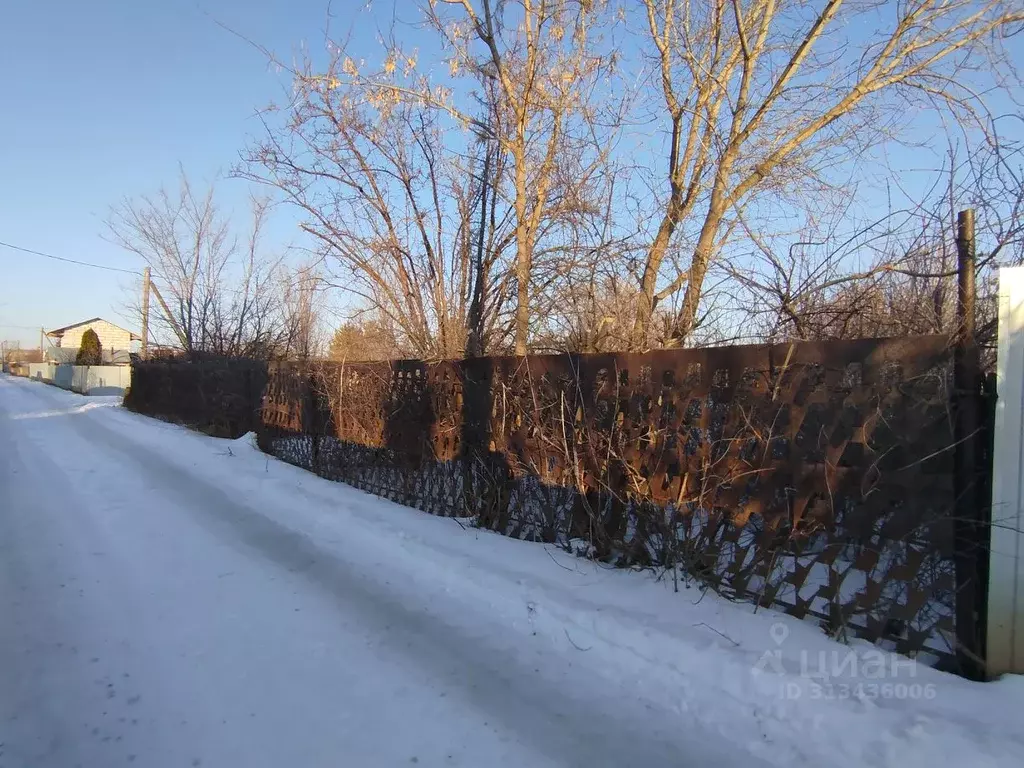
<point x="42" y="335"/>
<point x="145" y="313"/>
<point x="170" y="317"/>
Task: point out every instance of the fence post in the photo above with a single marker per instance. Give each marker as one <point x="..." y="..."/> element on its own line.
<point x="251" y="409"/>
<point x="311" y="424"/>
<point x="968" y="514"/>
<point x="144" y="351"/>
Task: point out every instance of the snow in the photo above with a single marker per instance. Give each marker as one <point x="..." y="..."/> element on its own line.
<point x="171" y="599"/>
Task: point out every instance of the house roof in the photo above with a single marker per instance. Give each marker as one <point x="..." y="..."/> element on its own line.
<point x="61" y="331"/>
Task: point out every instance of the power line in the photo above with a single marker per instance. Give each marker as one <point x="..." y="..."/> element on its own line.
<point x="69" y="261"/>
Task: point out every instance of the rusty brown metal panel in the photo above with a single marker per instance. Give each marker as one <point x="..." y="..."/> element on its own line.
<point x="813" y="476"/>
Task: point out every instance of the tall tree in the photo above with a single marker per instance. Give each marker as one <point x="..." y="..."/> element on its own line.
<point x="764" y="95"/>
<point x="391" y="195"/>
<point x="537" y="56"/>
<point x="385" y="161"/>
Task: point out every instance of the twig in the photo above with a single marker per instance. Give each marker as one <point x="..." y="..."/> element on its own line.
<point x="572" y="643"/>
<point x="720" y="634"/>
<point x="563" y="567"/>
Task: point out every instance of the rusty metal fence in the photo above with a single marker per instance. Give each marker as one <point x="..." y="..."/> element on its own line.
<point x="814" y="477"/>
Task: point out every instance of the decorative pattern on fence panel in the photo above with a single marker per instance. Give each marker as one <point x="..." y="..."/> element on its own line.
<point x="811" y="476"/>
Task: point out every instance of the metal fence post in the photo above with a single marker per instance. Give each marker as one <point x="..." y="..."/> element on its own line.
<point x="967" y="426"/>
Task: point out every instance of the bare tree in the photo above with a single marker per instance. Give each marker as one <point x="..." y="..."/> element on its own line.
<point x="485" y="208"/>
<point x="894" y="276"/>
<point x="593" y="316"/>
<point x="766" y="95"/>
<point x="219" y="295"/>
<point x="301" y="301"/>
<point x="586" y="295"/>
<point x="536" y="59"/>
<point x="382" y="160"/>
<point x="393" y="204"/>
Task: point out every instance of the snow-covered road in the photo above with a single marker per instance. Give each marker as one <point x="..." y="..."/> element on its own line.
<point x="155" y="615"/>
<point x="169" y="599"/>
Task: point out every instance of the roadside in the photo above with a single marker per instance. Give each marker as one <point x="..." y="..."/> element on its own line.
<point x="211" y="550"/>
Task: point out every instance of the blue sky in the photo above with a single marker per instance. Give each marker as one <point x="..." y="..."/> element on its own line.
<point x="103" y="99"/>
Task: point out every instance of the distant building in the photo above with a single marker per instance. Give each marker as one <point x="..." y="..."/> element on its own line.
<point x="117" y="342"/>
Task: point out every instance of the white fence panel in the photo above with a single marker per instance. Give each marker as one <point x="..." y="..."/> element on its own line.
<point x="1005" y="637"/>
<point x="93" y="379"/>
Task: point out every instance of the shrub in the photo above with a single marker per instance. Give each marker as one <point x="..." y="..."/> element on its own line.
<point x="90" y="352"/>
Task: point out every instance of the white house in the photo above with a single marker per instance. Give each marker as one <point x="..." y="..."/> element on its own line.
<point x="116" y="341"/>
